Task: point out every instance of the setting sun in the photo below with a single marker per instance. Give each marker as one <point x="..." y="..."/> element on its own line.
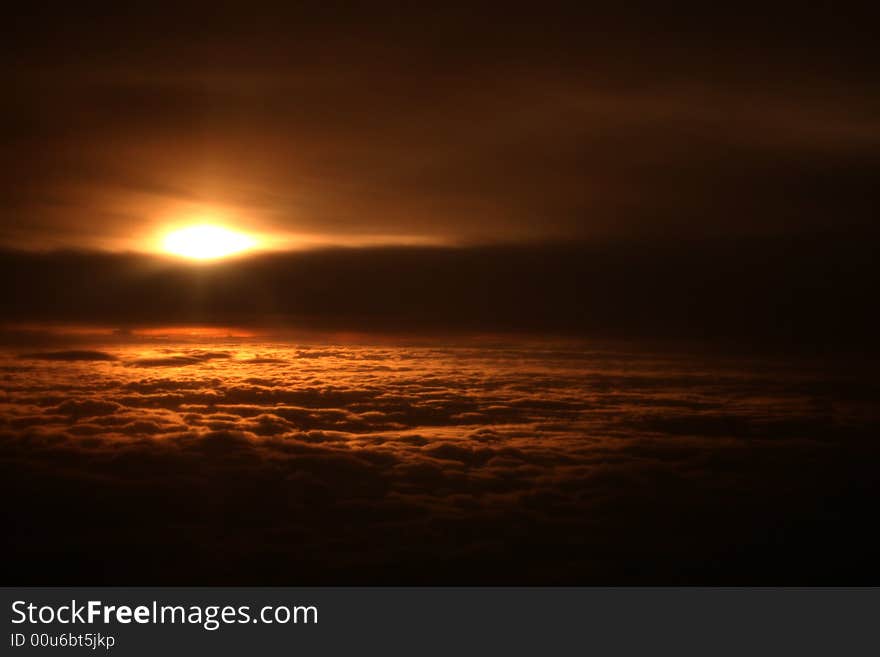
<point x="206" y="242"/>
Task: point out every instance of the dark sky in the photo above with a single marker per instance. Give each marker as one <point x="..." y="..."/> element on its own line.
<point x="682" y="171"/>
<point x="814" y="292"/>
<point x="437" y="125"/>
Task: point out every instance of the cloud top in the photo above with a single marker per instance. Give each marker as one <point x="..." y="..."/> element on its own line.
<point x="268" y="463"/>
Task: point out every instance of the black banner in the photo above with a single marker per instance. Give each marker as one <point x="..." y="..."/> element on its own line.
<point x="408" y="621"/>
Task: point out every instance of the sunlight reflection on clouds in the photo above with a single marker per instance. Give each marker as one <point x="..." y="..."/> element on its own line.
<point x="317" y="439"/>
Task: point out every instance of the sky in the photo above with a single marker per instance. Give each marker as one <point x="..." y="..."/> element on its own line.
<point x="417" y="125"/>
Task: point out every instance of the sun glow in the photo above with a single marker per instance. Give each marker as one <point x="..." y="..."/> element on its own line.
<point x="206" y="242"/>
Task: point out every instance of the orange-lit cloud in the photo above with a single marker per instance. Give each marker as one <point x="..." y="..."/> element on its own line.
<point x="334" y="462"/>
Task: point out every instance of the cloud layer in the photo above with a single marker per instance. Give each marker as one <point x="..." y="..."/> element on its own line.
<point x="249" y="462"/>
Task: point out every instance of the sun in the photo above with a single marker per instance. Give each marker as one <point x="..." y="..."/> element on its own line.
<point x="206" y="242"/>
